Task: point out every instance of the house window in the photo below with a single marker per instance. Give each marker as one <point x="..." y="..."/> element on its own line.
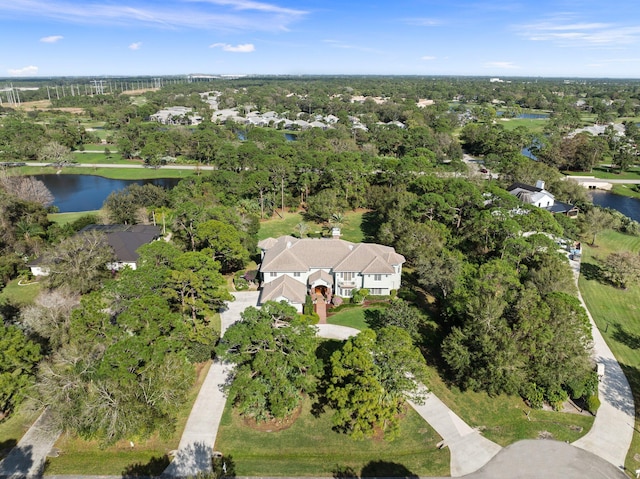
<point x="376" y="291"/>
<point x="296" y="274"/>
<point x="347" y="276"/>
<point x="377" y="277"/>
<point x="345" y="293"/>
<point x="273" y="274"/>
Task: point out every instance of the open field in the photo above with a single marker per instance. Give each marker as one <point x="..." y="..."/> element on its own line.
<point x="150" y="457"/>
<point x="101" y="158"/>
<point x="533" y="125"/>
<point x="276" y="226"/>
<point x="617" y="314"/>
<point x="64" y="218"/>
<point x="311" y="448"/>
<point x="605" y="174"/>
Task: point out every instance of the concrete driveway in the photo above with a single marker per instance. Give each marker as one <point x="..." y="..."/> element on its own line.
<point x="199" y="435"/>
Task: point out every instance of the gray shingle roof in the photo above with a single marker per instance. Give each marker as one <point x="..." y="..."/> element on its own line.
<point x="288" y="254"/>
<point x="284" y="287"/>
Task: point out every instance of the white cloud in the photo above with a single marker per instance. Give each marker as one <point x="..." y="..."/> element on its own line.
<point x="135" y="46"/>
<point x="221" y="15"/>
<point x="501" y="65"/>
<point x="242" y="48"/>
<point x="51" y="39"/>
<point x="423" y="22"/>
<point x="428" y="58"/>
<point x="565" y="31"/>
<point x="23" y="72"/>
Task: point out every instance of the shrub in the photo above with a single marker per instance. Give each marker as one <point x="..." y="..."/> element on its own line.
<point x="393" y="293"/>
<point x="358" y="296"/>
<point x="308" y="305"/>
<point x="312" y="318"/>
<point x="337" y="301"/>
<point x="556" y="397"/>
<point x="533" y="395"/>
<point x="593" y="403"/>
<point x="240" y="283"/>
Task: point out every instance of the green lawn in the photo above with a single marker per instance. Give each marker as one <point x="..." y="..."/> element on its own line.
<point x="617" y="314"/>
<point x="353" y="317"/>
<point x="146" y="458"/>
<point x="503" y="419"/>
<point x="114" y="173"/>
<point x="65" y="218"/>
<point x="625" y="190"/>
<point x="532" y="125"/>
<point x="19" y="295"/>
<point x="277" y="226"/>
<point x="112" y="158"/>
<point x="605" y="174"/>
<point x="311" y="448"/>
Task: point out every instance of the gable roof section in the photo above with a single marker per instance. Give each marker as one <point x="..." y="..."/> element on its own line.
<point x="522" y="186"/>
<point x="284" y="287"/>
<point x="126" y="239"/>
<point x="288" y="254"/>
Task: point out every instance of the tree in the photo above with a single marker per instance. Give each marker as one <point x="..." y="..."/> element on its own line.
<point x="273" y="351"/>
<point x="223" y="241"/>
<point x="50" y="315"/>
<point x="55" y="153"/>
<point x="596" y="220"/>
<point x="622" y="269"/>
<point x="370" y="378"/>
<point x="79" y="262"/>
<point x="18" y="358"/>
<point x="27" y="188"/>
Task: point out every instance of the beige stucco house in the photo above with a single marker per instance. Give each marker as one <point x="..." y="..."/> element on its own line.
<point x="291" y="268"/>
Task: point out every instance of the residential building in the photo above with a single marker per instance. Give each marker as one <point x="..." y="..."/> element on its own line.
<point x="538" y="196"/>
<point x="291" y="268"/>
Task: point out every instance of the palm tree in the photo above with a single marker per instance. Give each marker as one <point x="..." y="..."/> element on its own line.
<point x="302" y="228"/>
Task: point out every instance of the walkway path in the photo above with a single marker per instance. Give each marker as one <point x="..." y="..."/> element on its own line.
<point x="29" y="456"/>
<point x="199" y="435"/>
<point x="612" y="430"/>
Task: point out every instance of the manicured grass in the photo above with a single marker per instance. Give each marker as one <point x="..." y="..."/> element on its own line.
<point x="277" y="226"/>
<point x="617" y="314"/>
<point x="503" y="419"/>
<point x="19" y="295"/>
<point x="311" y="448"/>
<point x="114" y="173"/>
<point x="532" y="125"/>
<point x="353" y="317"/>
<point x="101" y="158"/>
<point x="64" y="218"/>
<point x="625" y="190"/>
<point x="604" y="174"/>
<point x="13" y="428"/>
<point x="148" y="457"/>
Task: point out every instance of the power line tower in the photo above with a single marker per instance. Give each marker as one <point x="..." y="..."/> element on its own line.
<point x="98" y="86"/>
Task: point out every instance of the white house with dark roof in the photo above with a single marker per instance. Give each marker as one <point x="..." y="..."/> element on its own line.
<point x="538" y="196"/>
<point x="291" y="268"/>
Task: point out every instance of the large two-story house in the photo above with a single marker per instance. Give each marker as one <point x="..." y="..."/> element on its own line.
<point x="291" y="268"/>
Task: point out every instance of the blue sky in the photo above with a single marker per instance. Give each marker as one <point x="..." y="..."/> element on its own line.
<point x="558" y="38"/>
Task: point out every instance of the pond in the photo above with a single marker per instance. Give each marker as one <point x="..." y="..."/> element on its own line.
<point x="627" y="206"/>
<point x="88" y="192"/>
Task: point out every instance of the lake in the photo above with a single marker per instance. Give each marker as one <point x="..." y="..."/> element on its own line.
<point x="627" y="206"/>
<point x="88" y="192"/>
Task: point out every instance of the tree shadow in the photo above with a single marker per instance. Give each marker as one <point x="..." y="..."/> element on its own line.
<point x="593" y="272"/>
<point x="6" y="446"/>
<point x="18" y="462"/>
<point x="625" y="337"/>
<point x="154" y="467"/>
<point x="223" y="466"/>
<point x="344" y="472"/>
<point x="370" y="225"/>
<point x="323" y="352"/>
<point x="386" y="469"/>
<point x="9" y="311"/>
<point x="374" y="319"/>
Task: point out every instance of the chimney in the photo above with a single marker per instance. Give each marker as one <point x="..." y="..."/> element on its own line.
<point x="288" y="244"/>
<point x="335" y="233"/>
<point x="540" y="184"/>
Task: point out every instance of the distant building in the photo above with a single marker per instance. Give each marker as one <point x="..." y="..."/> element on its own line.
<point x="176" y="115"/>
